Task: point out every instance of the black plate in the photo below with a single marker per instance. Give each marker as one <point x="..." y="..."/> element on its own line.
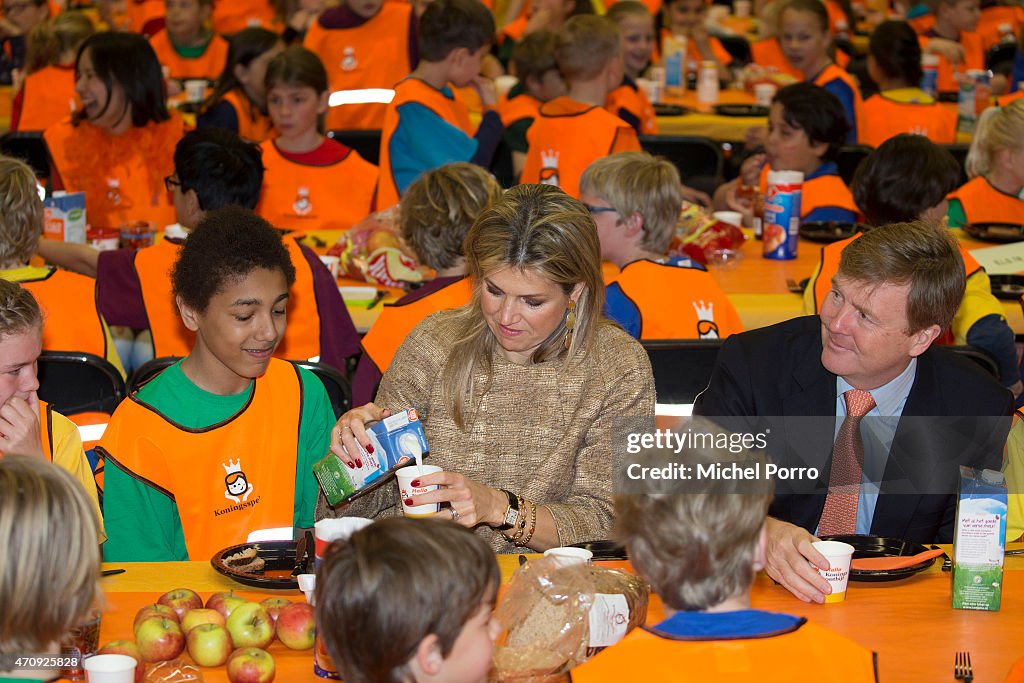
<point x="603" y="550"/>
<point x="740" y="110"/>
<point x="880" y="546"/>
<point x="996" y="232"/>
<point x="827" y="231"/>
<point x="280" y="559"/>
<point x="669" y="110"/>
<point x="1009" y="287"/>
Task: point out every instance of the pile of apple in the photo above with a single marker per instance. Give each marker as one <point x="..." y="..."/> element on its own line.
<point x="229" y="629"/>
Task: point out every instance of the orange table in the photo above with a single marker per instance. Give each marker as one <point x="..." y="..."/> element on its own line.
<point x="909" y="623"/>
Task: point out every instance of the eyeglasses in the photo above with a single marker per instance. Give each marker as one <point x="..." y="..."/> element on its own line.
<point x="170" y="182"/>
<point x="600" y="209"/>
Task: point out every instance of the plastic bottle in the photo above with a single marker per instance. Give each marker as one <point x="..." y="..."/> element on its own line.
<point x="707" y="85"/>
<point x="930" y="74"/>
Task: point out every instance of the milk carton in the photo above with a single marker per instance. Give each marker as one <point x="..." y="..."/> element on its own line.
<point x="392" y="438"/>
<point x="978" y="542"/>
<point x="64" y="217"/>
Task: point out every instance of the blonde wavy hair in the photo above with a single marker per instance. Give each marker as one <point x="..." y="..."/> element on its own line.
<point x="536" y="228"/>
<point x="998" y="128"/>
<point x="21" y="213"/>
<point x="43" y="512"/>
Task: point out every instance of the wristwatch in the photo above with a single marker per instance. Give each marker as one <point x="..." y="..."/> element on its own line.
<point x="512" y="513"/>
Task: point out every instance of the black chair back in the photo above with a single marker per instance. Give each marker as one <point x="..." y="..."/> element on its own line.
<point x="984" y="360"/>
<point x="1000" y="54"/>
<point x="148" y="370"/>
<point x="74" y="382"/>
<point x="366" y="142"/>
<point x="339" y="390"/>
<point x="700" y="161"/>
<point x="738" y="48"/>
<point x="682" y="367"/>
<point x="959" y="152"/>
<point x="30" y="147"/>
<point x="849" y="159"/>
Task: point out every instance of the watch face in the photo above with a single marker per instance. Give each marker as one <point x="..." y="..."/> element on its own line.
<point x="511" y="517"/>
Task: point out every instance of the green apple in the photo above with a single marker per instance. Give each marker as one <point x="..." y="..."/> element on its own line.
<point x="209" y="644"/>
<point x="250" y="626"/>
<point x="196" y="617"/>
<point x="159" y="639"/>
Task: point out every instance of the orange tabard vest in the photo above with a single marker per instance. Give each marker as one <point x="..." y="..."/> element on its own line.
<point x="253" y="124"/>
<point x="144" y="15"/>
<point x="634" y="100"/>
<point x="396" y="321"/>
<point x="300" y="197"/>
<point x="46" y="97"/>
<point x="231" y="16"/>
<point x="71" y="320"/>
<point x="372" y="55"/>
<point x="1004" y="100"/>
<point x="513" y="30"/>
<point x="825" y="190"/>
<point x="992" y="18"/>
<point x="768" y="53"/>
<point x="974" y="58"/>
<point x="832" y="72"/>
<point x="413" y="90"/>
<point x="170" y="336"/>
<point x="884" y="118"/>
<point x="208" y="65"/>
<point x="522" y="106"/>
<point x="228" y="479"/>
<point x="830" y="254"/>
<point x="983" y="203"/>
<point x="652" y="285"/>
<point x="138" y="160"/>
<point x="641" y="655"/>
<point x="567" y="137"/>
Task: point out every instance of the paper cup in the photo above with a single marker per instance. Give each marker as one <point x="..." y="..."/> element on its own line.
<point x="651" y="88"/>
<point x="839" y="556"/>
<point x="405" y="477"/>
<point x="109" y="669"/>
<point x="326" y="531"/>
<point x="566" y="557"/>
<point x="195" y="90"/>
<point x="763" y="94"/>
<point x="730" y="217"/>
<point x="333" y="263"/>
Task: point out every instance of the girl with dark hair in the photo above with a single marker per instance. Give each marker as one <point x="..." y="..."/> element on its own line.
<point x="238" y="102"/>
<point x="304" y="168"/>
<point x="119" y="147"/>
<point x="894" y="63"/>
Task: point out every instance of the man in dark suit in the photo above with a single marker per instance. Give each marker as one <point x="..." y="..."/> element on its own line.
<point x="896" y="290"/>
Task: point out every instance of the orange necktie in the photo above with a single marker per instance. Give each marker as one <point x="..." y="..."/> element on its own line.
<point x="839" y="516"/>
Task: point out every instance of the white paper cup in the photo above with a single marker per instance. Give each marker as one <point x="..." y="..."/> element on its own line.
<point x="839" y="556"/>
<point x="730" y="217"/>
<point x="566" y="557"/>
<point x="333" y="263"/>
<point x="195" y="90"/>
<point x="326" y="531"/>
<point x="763" y="94"/>
<point x="741" y="8"/>
<point x="405" y="477"/>
<point x="651" y="88"/>
<point x="109" y="669"/>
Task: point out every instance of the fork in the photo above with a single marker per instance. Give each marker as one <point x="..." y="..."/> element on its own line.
<point x="962" y="670"/>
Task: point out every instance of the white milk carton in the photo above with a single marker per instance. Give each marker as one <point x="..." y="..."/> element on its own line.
<point x="979" y="540"/>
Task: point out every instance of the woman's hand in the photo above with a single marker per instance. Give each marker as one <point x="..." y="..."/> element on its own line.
<point x="351" y="428"/>
<point x="472" y="502"/>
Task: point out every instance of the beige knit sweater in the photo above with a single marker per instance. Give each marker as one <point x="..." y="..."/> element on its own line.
<point x="542" y="431"/>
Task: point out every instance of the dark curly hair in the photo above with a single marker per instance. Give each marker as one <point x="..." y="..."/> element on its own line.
<point x="228" y="244"/>
<point x="817" y="112"/>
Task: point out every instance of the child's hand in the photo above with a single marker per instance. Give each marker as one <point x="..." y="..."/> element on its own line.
<point x="485" y="86"/>
<point x="750" y="171"/>
<point x="695" y="196"/>
<point x="950" y="49"/>
<point x="19" y="427"/>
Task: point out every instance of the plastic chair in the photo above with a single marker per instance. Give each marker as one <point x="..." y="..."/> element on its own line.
<point x="1001" y="54"/>
<point x="959" y="152"/>
<point x="148" y="370"/>
<point x="366" y="142"/>
<point x="30" y="147"/>
<point x="984" y="360"/>
<point x="339" y="390"/>
<point x="74" y="382"/>
<point x="700" y="161"/>
<point x="849" y="159"/>
<point x="738" y="48"/>
<point x="682" y="367"/>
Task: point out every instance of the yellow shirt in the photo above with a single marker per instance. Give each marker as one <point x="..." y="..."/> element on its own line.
<point x="68" y="454"/>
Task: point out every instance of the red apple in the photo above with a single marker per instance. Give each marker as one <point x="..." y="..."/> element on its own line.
<point x="150" y="611"/>
<point x="129" y="648"/>
<point x="250" y="626"/>
<point x="250" y="665"/>
<point x="199" y="616"/>
<point x="296" y="626"/>
<point x="181" y="600"/>
<point x="225" y="603"/>
<point x="159" y="639"/>
<point x="274" y="606"/>
<point x="209" y="644"/>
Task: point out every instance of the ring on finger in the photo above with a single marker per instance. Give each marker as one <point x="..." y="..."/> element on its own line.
<point x="455" y="514"/>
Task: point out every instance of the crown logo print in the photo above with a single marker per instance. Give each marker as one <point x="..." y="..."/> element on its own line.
<point x="232" y="466"/>
<point x="549" y="159"/>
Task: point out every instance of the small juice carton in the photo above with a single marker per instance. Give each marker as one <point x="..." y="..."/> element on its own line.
<point x="675" y="65"/>
<point x="64" y="217"/>
<point x="979" y="540"/>
<point x="393" y="440"/>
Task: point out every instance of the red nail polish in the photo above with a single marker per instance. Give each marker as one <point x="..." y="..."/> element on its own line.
<point x="408" y="501"/>
<point x="359" y="463"/>
<point x="414" y="482"/>
<point x="369" y="448"/>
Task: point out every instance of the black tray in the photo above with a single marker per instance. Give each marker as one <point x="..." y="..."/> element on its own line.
<point x="996" y="232"/>
<point x="881" y="546"/>
<point x="603" y="550"/>
<point x="669" y="110"/>
<point x="280" y="559"/>
<point x="740" y="110"/>
<point x="827" y="231"/>
<point x="1009" y="287"/>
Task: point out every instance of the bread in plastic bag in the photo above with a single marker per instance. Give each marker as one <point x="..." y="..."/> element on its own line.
<point x="173" y="671"/>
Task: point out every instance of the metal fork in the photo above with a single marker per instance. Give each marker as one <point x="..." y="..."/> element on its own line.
<point x="962" y="670"/>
